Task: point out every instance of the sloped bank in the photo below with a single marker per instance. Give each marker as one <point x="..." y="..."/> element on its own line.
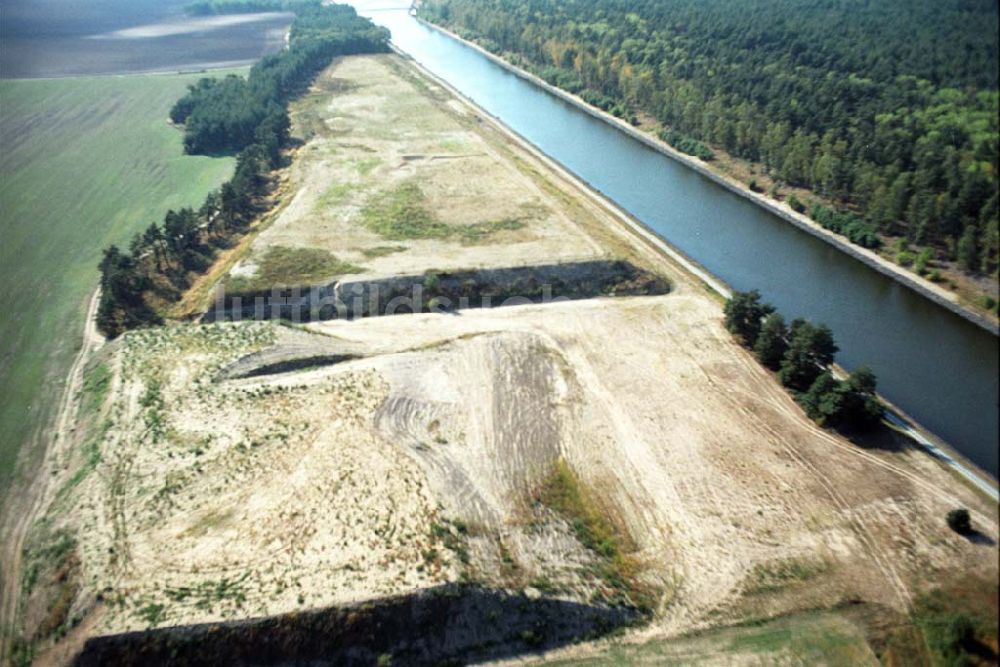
<point x="357" y="297"/>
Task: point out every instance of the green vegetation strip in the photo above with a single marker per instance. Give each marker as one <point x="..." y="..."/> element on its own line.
<point x="563" y="493"/>
<point x="401" y="214"/>
<point x="284" y="266"/>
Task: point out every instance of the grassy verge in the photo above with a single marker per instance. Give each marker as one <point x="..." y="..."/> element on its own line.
<point x="950" y="626"/>
<point x="85" y="163"/>
<point x="774" y="576"/>
<point x="813" y="638"/>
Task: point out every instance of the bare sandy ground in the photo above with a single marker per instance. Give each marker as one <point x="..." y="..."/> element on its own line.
<point x="219" y="498"/>
<point x="375" y="126"/>
<point x="225" y="487"/>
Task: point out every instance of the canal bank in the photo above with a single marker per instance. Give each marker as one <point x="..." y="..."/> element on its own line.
<point x="939" y="367"/>
<point x="925" y="288"/>
<point x="924" y="439"/>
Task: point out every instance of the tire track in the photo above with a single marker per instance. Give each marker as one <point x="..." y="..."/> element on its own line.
<point x="30" y="503"/>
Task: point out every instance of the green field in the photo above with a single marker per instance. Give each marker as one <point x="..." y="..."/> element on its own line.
<point x="83" y="163"/>
<point x="813" y="638"/>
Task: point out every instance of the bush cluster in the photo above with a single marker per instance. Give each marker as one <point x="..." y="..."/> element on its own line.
<point x="686" y="144"/>
<point x="803" y="354"/>
<point x="847" y="224"/>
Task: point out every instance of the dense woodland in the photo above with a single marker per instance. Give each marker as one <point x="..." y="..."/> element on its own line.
<point x="247" y="117"/>
<point x="886" y="109"/>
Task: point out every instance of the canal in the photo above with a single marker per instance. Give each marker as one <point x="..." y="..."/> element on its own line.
<point x="935" y="365"/>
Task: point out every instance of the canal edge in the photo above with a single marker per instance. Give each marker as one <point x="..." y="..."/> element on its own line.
<point x="923" y="438"/>
<point x="926" y="289"/>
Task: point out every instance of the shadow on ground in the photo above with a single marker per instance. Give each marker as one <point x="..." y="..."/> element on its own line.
<point x="446" y="291"/>
<point x="451" y="624"/>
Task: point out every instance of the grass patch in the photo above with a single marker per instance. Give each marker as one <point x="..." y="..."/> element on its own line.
<point x="453" y="536"/>
<point x="86" y="162"/>
<point x="811" y="638"/>
<point x="334" y="196"/>
<point x="91" y="459"/>
<point x="284" y="266"/>
<point x="401" y="214"/>
<point x="208" y="593"/>
<point x="152" y="613"/>
<point x="482" y="231"/>
<point x="773" y="576"/>
<point x="365" y="166"/>
<point x="563" y="493"/>
<point x="954" y="631"/>
<point x="96" y="384"/>
<point x="53" y="552"/>
<point x="382" y="251"/>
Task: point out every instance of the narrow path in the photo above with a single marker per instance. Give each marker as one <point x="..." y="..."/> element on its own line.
<point x="26" y="506"/>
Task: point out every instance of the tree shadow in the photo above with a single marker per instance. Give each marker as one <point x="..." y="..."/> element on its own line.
<point x="976" y="537"/>
<point x="883" y="438"/>
<point x="450" y="624"/>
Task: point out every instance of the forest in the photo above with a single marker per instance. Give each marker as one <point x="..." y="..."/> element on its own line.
<point x="233" y="115"/>
<point x="885" y="111"/>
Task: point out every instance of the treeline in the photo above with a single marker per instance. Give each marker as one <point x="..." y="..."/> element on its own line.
<point x="802" y="354"/>
<point x="887" y="109"/>
<point x="227" y="115"/>
<point x="214" y="7"/>
<point x="248" y="117"/>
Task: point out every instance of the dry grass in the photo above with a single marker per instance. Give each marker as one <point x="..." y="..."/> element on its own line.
<point x="282" y="266"/>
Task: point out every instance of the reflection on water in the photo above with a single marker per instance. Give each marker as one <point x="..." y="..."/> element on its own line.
<point x="48" y="38"/>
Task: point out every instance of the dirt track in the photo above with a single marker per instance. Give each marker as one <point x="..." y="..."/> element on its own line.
<point x="23" y="510"/>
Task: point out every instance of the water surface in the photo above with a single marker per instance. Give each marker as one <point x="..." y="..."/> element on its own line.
<point x="937" y="366"/>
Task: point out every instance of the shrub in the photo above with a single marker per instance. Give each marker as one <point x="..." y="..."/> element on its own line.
<point x="959" y="521"/>
<point x="686" y="144"/>
<point x="987" y="302"/>
<point x="847" y="224"/>
<point x="920" y="265"/>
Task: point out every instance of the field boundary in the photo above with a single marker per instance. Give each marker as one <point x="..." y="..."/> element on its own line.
<point x="36" y="494"/>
